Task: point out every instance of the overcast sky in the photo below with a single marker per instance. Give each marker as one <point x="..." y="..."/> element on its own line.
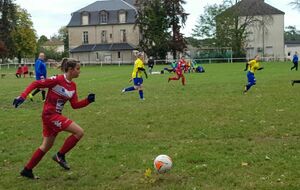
<point x="49" y="15"/>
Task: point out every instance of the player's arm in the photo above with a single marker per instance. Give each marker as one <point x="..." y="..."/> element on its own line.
<point x="246" y="66"/>
<point x="260" y="68"/>
<point x="76" y="104"/>
<point x="48" y="83"/>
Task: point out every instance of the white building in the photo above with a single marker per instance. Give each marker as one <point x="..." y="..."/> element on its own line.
<point x="290" y="48"/>
<point x="265" y="34"/>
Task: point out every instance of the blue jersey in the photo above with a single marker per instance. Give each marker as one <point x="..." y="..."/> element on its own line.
<point x="295" y="58"/>
<point x="40" y="69"/>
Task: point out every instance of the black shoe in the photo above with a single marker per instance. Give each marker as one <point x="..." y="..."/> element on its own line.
<point x="61" y="161"/>
<point x="28" y="173"/>
<point x="293" y="82"/>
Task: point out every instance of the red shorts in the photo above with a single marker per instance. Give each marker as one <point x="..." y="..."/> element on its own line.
<point x="54" y="123"/>
<point x="179" y="73"/>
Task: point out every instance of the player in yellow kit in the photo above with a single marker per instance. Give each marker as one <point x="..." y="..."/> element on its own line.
<point x="253" y="66"/>
<point x="136" y="76"/>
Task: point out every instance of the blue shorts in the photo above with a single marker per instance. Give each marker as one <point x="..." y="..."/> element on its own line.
<point x="137" y="81"/>
<point x="251" y="78"/>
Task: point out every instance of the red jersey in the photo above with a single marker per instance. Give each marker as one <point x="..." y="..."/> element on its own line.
<point x="180" y="66"/>
<point x="60" y="91"/>
<point x="25" y="69"/>
<point x="19" y="70"/>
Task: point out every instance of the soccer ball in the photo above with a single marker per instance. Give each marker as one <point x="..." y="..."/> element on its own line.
<point x="162" y="163"/>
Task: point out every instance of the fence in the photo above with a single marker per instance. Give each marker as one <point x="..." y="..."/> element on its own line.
<point x="157" y="62"/>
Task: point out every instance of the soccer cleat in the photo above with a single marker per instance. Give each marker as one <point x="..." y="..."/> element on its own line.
<point x="169" y="79"/>
<point x="123" y="91"/>
<point x="30" y="97"/>
<point x="28" y="173"/>
<point x="61" y="161"/>
<point x="293" y="82"/>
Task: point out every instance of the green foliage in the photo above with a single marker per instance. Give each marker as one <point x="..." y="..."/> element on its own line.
<point x="291" y="33"/>
<point x="176" y="17"/>
<point x="154" y="29"/>
<point x="7" y="25"/>
<point x="156" y="18"/>
<point x="23" y="35"/>
<point x="217" y="137"/>
<point x="63" y="35"/>
<point x="206" y="25"/>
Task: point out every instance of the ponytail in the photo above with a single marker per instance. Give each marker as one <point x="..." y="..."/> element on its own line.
<point x="67" y="63"/>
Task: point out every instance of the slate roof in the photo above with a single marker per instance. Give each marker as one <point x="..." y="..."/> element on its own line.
<point x="112" y="7"/>
<point x="254" y="8"/>
<point x="103" y="47"/>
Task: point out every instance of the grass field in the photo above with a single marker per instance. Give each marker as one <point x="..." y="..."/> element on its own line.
<point x="217" y="137"/>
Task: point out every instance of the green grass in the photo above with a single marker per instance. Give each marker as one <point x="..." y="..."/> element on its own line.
<point x="208" y="127"/>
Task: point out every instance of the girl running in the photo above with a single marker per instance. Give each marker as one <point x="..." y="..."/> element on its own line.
<point x="61" y="89"/>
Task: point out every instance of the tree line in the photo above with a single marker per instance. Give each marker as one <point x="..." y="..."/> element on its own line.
<point x="18" y="38"/>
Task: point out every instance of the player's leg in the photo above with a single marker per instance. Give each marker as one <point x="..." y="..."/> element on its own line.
<point x="251" y="81"/>
<point x="295" y="81"/>
<point x="70" y="142"/>
<point x="141" y="92"/>
<point x="37" y="156"/>
<point x="182" y="79"/>
<point x="43" y="94"/>
<point x="177" y="77"/>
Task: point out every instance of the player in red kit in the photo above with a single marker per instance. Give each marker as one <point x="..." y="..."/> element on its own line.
<point x="61" y="89"/>
<point x="179" y="73"/>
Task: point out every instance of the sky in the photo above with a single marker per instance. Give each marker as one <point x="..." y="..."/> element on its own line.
<point x="49" y="15"/>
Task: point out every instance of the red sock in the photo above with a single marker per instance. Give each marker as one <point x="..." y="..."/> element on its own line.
<point x="183" y="81"/>
<point x="35" y="159"/>
<point x="70" y="142"/>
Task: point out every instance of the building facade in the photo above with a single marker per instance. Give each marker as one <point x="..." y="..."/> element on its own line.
<point x="104" y="32"/>
<point x="264" y="28"/>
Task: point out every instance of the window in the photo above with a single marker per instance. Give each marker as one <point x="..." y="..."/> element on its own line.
<point x="119" y="54"/>
<point x="122" y="17"/>
<point x="85" y="18"/>
<point x="85" y="37"/>
<point x="110" y="35"/>
<point x="103" y="17"/>
<point x="123" y="36"/>
<point x="103" y="37"/>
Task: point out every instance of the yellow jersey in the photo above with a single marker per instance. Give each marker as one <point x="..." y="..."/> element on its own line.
<point x="137" y="64"/>
<point x="253" y="66"/>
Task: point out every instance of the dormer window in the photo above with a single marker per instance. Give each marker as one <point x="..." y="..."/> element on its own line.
<point x="122" y="16"/>
<point x="85" y="18"/>
<point x="103" y="17"/>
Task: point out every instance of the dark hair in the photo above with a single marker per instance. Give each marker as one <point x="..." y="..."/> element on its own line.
<point x="67" y="63"/>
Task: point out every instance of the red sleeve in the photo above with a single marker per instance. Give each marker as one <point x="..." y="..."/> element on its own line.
<point x="78" y="104"/>
<point x="47" y="83"/>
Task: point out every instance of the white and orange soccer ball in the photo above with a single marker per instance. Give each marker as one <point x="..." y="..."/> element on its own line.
<point x="163" y="163"/>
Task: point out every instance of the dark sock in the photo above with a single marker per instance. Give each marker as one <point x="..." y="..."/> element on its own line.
<point x="44" y="94"/>
<point x="141" y="94"/>
<point x="36" y="91"/>
<point x="129" y="89"/>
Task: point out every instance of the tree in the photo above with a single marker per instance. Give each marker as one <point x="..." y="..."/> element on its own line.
<point x="234" y="22"/>
<point x="291" y="33"/>
<point x="23" y="35"/>
<point x="295" y="4"/>
<point x="206" y="26"/>
<point x="154" y="28"/>
<point x="7" y="24"/>
<point x="176" y="17"/>
<point x="63" y="35"/>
